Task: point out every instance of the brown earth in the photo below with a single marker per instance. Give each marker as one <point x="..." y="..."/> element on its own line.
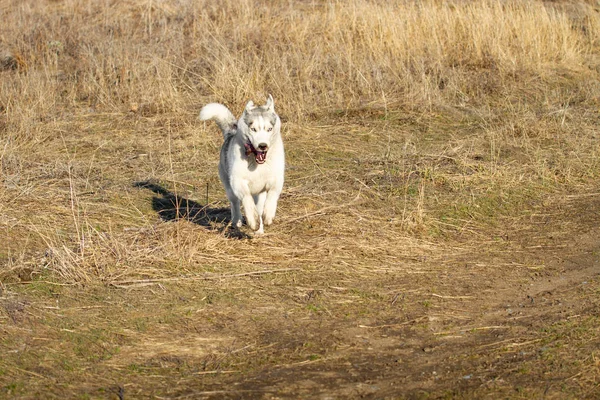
<point x="518" y="319"/>
<point x="517" y="330"/>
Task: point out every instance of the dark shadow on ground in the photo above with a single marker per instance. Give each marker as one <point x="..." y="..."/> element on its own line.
<point x="172" y="207"/>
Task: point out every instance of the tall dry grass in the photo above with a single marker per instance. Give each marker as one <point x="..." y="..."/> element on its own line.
<point x="102" y="85"/>
<point x="310" y="56"/>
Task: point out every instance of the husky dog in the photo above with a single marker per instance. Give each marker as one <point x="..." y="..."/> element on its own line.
<point x="252" y="161"/>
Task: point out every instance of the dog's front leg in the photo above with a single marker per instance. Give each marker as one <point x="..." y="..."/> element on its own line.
<point x="259" y="200"/>
<point x="270" y="206"/>
<point x="241" y="190"/>
<point x="250" y="211"/>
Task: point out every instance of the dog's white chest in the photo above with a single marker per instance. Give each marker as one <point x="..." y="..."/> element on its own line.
<point x="261" y="179"/>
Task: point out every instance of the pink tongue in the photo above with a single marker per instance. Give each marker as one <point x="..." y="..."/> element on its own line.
<point x="260" y="157"/>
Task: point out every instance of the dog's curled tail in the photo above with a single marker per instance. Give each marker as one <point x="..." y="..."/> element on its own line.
<point x="222" y="116"/>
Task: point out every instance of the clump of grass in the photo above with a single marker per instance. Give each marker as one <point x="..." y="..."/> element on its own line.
<point x="422" y="111"/>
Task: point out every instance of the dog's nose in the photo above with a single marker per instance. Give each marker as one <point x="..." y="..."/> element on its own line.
<point x="262" y="146"/>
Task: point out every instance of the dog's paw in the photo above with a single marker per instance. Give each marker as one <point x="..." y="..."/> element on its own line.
<point x="253" y="221"/>
<point x="268" y="217"/>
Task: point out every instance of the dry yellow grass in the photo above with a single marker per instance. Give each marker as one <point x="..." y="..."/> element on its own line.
<point x="421" y="137"/>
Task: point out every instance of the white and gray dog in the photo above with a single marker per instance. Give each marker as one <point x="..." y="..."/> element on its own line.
<point x="252" y="161"/>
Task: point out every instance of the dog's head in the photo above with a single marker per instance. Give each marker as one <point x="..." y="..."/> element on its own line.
<point x="262" y="127"/>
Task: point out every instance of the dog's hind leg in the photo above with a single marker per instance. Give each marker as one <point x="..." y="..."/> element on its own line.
<point x="259" y="199"/>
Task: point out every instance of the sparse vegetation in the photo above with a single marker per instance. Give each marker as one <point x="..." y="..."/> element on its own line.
<point x="438" y="220"/>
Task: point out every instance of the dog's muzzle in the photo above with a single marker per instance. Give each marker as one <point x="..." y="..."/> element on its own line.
<point x="259" y="155"/>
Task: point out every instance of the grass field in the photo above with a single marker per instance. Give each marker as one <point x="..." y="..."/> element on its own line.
<point x="437" y="233"/>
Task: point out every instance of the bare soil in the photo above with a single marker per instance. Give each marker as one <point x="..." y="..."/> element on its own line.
<point x="519" y="318"/>
<point x="513" y="331"/>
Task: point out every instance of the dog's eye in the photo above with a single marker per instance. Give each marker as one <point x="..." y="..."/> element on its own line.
<point x="269" y="129"/>
<point x="253" y="129"/>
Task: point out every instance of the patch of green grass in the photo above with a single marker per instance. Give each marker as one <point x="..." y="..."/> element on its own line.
<point x="313" y="308"/>
<point x="140" y="324"/>
<point x="366" y="294"/>
<point x="42" y="285"/>
<point x="135" y="368"/>
<point x="13" y="388"/>
<point x="69" y="364"/>
<point x="488" y="206"/>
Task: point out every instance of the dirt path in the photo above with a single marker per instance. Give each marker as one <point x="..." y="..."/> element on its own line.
<point x="517" y="318"/>
<point x="528" y="328"/>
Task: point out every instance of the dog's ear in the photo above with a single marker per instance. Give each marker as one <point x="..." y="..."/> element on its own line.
<point x="250" y="106"/>
<point x="270" y="103"/>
